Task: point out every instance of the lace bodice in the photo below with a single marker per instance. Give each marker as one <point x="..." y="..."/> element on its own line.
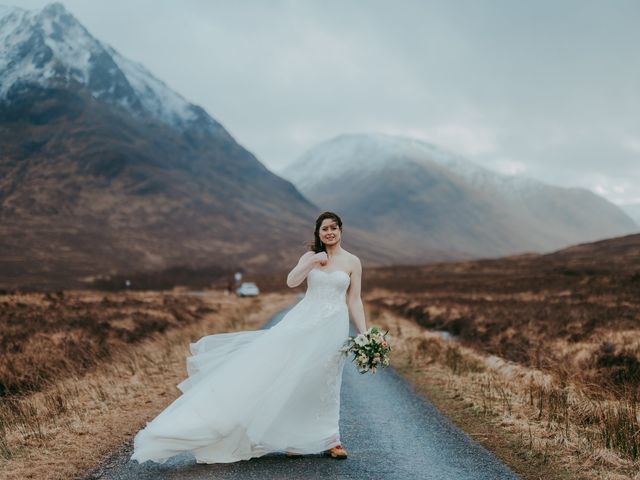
<point x="327" y="287"/>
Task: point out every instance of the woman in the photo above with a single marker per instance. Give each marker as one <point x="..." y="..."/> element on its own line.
<point x="273" y="390"/>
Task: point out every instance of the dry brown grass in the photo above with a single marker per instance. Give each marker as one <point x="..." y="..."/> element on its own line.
<point x="569" y="320"/>
<point x="45" y="337"/>
<point x="547" y="351"/>
<point x="73" y="423"/>
<point x="545" y="427"/>
<point x="574" y="313"/>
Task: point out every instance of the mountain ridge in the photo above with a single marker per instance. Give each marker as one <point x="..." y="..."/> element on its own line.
<point x="450" y="200"/>
<point x="61" y="51"/>
<point x="94" y="183"/>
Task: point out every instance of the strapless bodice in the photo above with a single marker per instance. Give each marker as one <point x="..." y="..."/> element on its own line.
<point x="329" y="287"/>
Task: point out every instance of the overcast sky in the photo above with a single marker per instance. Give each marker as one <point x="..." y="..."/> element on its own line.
<point x="547" y="89"/>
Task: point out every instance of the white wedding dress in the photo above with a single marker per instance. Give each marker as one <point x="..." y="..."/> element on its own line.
<point x="254" y="392"/>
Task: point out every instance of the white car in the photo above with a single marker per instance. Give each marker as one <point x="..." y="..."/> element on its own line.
<point x="247" y="289"/>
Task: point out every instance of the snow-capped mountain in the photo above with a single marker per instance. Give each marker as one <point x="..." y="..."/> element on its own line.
<point x="419" y="190"/>
<point x="370" y="152"/>
<point x="104" y="170"/>
<point x="49" y="46"/>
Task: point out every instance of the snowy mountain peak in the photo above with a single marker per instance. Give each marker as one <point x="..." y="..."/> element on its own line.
<point x="49" y="47"/>
<point x="369" y="152"/>
<point x="436" y="197"/>
<point x="362" y="153"/>
<point x="54" y="9"/>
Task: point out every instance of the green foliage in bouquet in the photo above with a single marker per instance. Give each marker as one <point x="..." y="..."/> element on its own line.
<point x="370" y="349"/>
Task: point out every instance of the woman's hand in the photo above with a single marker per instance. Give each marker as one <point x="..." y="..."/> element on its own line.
<point x="306" y="263"/>
<point x="320" y="257"/>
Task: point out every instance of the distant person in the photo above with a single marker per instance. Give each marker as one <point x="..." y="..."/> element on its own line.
<point x="273" y="390"/>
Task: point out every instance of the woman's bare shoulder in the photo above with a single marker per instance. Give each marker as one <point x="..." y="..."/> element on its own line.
<point x="353" y="259"/>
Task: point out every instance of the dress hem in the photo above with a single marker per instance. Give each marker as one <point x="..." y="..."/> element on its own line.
<point x="258" y="451"/>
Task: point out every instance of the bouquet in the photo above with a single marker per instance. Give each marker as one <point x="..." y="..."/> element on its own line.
<point x="370" y="349"/>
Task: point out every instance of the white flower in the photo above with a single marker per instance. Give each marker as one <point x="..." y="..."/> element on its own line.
<point x="361" y="340"/>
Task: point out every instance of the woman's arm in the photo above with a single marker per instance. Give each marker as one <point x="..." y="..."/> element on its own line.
<point x="302" y="269"/>
<point x="354" y="302"/>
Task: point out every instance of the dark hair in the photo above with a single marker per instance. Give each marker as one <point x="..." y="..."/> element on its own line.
<point x="317" y="246"/>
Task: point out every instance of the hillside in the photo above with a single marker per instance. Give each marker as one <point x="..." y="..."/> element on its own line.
<point x="433" y="197"/>
<point x="106" y="170"/>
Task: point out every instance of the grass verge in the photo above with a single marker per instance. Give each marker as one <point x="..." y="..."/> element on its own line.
<point x="68" y="427"/>
<point x="541" y="427"/>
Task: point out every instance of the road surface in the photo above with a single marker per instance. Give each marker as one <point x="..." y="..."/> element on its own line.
<point x="389" y="430"/>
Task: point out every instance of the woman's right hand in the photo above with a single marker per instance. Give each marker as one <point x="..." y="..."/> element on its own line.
<point x="319" y="258"/>
<point x="306" y="263"/>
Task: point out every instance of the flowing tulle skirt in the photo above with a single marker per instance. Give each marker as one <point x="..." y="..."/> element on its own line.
<point x="254" y="392"/>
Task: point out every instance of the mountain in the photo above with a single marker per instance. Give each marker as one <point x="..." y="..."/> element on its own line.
<point x="105" y="170"/>
<point x="50" y="47"/>
<point x="420" y="193"/>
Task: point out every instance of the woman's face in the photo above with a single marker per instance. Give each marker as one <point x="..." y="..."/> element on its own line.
<point x="329" y="232"/>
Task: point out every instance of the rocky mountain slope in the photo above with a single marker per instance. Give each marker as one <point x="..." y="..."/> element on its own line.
<point x="104" y="169"/>
<point x="417" y="192"/>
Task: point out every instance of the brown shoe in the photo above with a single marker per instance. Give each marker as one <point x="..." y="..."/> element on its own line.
<point x="336" y="452"/>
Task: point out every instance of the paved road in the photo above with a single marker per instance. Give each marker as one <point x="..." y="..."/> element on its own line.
<point x="388" y="429"/>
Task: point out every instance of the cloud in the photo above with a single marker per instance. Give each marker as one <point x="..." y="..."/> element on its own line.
<point x="509" y="166"/>
<point x="470" y="141"/>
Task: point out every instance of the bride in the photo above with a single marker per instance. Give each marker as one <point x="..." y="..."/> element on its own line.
<point x="273" y="390"/>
